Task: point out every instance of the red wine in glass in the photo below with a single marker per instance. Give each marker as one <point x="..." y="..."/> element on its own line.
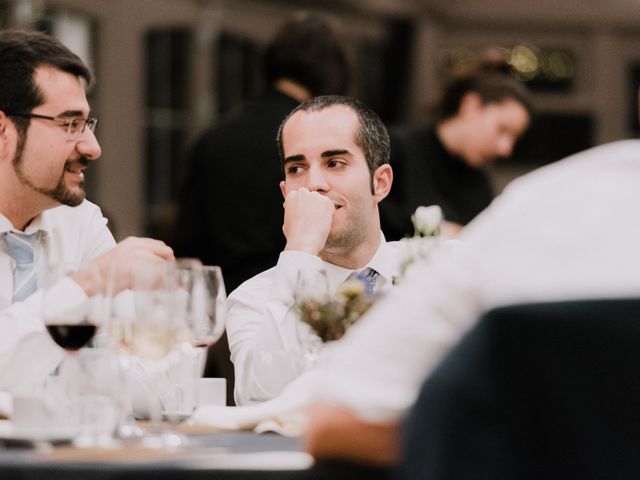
<point x="71" y="337"/>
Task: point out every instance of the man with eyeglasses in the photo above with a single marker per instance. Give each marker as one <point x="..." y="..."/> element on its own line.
<point x="46" y="143"/>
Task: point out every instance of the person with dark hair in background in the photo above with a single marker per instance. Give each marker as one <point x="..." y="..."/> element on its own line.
<point x="480" y="114"/>
<point x="230" y="210"/>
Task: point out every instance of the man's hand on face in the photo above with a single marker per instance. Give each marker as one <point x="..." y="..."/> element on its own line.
<point x="128" y="252"/>
<point x="307" y="220"/>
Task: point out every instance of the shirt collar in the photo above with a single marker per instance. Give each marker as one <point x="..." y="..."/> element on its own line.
<point x="383" y="261"/>
<point x="38" y="223"/>
<point x="5" y="224"/>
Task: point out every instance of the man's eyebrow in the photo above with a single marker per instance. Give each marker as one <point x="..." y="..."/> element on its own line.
<point x="294" y="158"/>
<point x="334" y="153"/>
<point x="71" y="113"/>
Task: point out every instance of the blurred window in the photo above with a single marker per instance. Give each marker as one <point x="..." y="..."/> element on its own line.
<point x="167" y="124"/>
<point x="634" y="97"/>
<point x="4" y="14"/>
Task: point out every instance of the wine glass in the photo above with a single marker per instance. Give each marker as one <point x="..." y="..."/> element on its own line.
<point x="208" y="300"/>
<point x="201" y="302"/>
<point x="70" y="325"/>
<point x="119" y="324"/>
<point x="313" y="297"/>
<point x="158" y="327"/>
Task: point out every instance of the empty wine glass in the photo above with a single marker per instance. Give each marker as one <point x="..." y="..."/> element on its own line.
<point x="208" y="300"/>
<point x="158" y="326"/>
<point x="119" y="324"/>
<point x="311" y="292"/>
<point x="200" y="301"/>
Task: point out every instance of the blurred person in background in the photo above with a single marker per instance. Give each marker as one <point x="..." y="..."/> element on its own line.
<point x="47" y="142"/>
<point x="230" y="208"/>
<point x="479" y="116"/>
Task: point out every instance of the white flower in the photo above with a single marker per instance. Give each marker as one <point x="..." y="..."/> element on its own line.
<point x="427" y="220"/>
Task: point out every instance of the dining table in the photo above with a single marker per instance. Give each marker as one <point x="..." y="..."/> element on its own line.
<point x="211" y="454"/>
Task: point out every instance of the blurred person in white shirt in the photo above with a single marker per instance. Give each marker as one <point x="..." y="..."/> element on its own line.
<point x="567" y="231"/>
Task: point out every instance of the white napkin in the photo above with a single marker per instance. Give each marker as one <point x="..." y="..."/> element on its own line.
<point x="285" y="414"/>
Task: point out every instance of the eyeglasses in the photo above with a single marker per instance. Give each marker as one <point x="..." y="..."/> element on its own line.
<point x="75" y="126"/>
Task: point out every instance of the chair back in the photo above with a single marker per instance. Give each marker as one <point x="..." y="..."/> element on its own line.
<point x="549" y="390"/>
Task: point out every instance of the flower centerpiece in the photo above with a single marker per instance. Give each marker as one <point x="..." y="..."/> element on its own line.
<point x="330" y="315"/>
<point x="427" y="224"/>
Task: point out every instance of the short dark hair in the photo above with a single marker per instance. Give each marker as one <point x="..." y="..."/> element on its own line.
<point x="493" y="81"/>
<point x="372" y="136"/>
<point x="308" y="51"/>
<point x="21" y="52"/>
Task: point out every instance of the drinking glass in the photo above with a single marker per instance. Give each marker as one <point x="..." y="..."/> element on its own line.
<point x="99" y="402"/>
<point x="159" y="327"/>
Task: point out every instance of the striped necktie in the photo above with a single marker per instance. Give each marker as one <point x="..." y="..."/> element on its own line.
<point x="21" y="247"/>
<point x="368" y="276"/>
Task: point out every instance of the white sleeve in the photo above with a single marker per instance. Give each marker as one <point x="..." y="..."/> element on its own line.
<point x="27" y="353"/>
<point x="97" y="237"/>
<point x="262" y="327"/>
<point x="377" y="367"/>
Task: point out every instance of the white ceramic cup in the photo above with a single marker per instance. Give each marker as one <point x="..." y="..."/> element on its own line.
<point x="211" y="391"/>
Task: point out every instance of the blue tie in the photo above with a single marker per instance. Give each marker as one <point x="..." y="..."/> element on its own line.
<point x="21" y="247"/>
<point x="368" y="276"/>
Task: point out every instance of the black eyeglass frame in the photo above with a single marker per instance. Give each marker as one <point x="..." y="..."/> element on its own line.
<point x="92" y="122"/>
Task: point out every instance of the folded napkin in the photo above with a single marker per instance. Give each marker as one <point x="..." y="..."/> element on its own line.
<point x="285" y="414"/>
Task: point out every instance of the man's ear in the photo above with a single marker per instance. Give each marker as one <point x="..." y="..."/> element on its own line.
<point x="382" y="180"/>
<point x="283" y="189"/>
<point x="471" y="102"/>
<point x="3" y="124"/>
<point x="6" y="129"/>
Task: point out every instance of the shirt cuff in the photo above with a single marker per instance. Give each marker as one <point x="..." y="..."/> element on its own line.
<point x="287" y="272"/>
<point x="64" y="297"/>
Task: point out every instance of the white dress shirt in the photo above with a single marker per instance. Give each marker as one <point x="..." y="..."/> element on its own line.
<point x="73" y="236"/>
<point x="266" y="338"/>
<point x="567" y="231"/>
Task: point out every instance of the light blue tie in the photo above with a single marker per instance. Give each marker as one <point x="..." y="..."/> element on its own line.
<point x="368" y="276"/>
<point x="21" y="247"/>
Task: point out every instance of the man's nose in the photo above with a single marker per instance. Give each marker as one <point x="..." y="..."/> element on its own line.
<point x="88" y="145"/>
<point x="316" y="180"/>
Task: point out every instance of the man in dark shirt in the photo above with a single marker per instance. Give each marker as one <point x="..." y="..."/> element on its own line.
<point x="230" y="210"/>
